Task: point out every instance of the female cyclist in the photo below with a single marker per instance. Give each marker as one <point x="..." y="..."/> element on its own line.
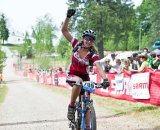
<point x="79" y="67"/>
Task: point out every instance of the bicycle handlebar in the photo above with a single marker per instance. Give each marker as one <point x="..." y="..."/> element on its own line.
<point x="94" y="85"/>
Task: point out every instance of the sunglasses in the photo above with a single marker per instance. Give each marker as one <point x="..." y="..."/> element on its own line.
<point x="142" y="57"/>
<point x="89" y="39"/>
<point x="158" y="55"/>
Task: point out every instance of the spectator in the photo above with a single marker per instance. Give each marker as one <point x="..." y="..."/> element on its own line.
<point x="136" y="61"/>
<point x="107" y="65"/>
<point x="30" y="69"/>
<point x="116" y="68"/>
<point x="129" y="57"/>
<point x="145" y="50"/>
<point x="56" y="79"/>
<point x="90" y="69"/>
<point x="153" y="58"/>
<point x="156" y="62"/>
<point x="93" y="70"/>
<point x="157" y="47"/>
<point x="60" y="70"/>
<point x="126" y="65"/>
<point x="144" y="64"/>
<point x="113" y="59"/>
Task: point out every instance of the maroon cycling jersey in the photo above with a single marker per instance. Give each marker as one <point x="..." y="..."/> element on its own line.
<point x="80" y="66"/>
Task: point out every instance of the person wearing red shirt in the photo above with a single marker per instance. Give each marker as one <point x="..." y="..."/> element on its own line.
<point x="79" y="67"/>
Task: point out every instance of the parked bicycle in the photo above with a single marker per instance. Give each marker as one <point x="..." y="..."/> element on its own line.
<point x="84" y="105"/>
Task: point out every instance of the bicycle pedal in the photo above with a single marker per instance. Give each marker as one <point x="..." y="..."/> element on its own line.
<point x="71" y="124"/>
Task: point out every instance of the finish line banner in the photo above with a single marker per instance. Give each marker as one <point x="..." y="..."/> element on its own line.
<point x="133" y="87"/>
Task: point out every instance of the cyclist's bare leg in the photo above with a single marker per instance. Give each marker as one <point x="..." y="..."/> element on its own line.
<point x="75" y="90"/>
<point x="75" y="93"/>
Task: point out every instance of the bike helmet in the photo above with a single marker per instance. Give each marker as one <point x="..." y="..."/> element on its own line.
<point x="90" y="33"/>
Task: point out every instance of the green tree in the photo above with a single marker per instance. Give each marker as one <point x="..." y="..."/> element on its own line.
<point x="149" y="19"/>
<point x="4" y="32"/>
<point x="111" y="20"/>
<point x="27" y="47"/>
<point x="2" y="60"/>
<point x="64" y="48"/>
<point x="44" y="32"/>
<point x="155" y="20"/>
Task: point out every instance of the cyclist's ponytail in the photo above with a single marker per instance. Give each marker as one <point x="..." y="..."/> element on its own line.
<point x="92" y="48"/>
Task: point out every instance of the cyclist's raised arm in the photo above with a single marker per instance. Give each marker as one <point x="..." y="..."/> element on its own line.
<point x="64" y="29"/>
<point x="100" y="70"/>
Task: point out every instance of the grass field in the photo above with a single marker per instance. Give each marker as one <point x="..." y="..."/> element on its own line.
<point x="3" y="92"/>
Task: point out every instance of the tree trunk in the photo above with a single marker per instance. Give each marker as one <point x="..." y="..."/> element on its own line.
<point x="100" y="48"/>
<point x="100" y="41"/>
<point x="2" y="41"/>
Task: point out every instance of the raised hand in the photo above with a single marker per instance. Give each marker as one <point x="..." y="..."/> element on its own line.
<point x="70" y="12"/>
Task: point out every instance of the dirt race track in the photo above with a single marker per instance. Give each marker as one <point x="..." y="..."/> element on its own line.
<point x="30" y="106"/>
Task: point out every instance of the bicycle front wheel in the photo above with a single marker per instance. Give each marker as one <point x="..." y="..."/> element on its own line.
<point x="93" y="123"/>
<point x="78" y="116"/>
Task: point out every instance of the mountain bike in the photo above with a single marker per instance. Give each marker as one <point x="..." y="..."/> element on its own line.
<point x="84" y="105"/>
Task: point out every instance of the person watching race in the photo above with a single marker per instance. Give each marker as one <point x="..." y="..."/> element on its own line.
<point x="80" y="61"/>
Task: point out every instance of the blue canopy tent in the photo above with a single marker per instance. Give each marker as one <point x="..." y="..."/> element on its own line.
<point x="157" y="46"/>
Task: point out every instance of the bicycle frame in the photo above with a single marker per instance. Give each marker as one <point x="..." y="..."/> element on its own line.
<point x="83" y="105"/>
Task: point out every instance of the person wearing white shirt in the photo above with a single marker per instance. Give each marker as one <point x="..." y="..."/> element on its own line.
<point x="113" y="59"/>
